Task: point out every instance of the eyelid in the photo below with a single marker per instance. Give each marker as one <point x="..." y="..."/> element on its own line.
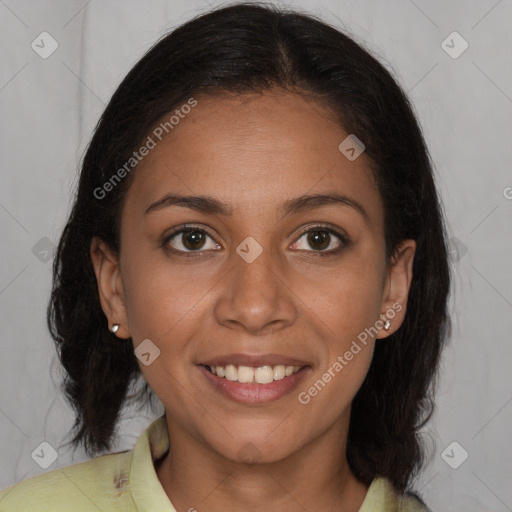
<point x="335" y="231"/>
<point x="176" y="230"/>
<point x="185" y="227"/>
<point x="330" y="228"/>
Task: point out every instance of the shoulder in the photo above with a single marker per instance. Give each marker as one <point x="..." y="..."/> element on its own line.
<point x="411" y="501"/>
<point x="383" y="497"/>
<point x="97" y="484"/>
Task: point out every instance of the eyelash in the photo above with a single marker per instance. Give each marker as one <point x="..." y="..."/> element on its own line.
<point x="344" y="239"/>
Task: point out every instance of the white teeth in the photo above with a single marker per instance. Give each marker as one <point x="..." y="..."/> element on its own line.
<point x="264" y="374"/>
<point x="245" y="374"/>
<point x="279" y="372"/>
<point x="261" y="375"/>
<point x="231" y="372"/>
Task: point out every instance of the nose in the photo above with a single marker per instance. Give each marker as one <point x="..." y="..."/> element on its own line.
<point x="256" y="297"/>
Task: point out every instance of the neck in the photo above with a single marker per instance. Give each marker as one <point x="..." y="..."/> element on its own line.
<point x="317" y="477"/>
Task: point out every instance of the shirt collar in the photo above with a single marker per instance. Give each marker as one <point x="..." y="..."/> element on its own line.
<point x="147" y="491"/>
<point x="149" y="495"/>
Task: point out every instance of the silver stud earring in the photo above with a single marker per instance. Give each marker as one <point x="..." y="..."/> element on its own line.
<point x="115" y="328"/>
<point x="387" y="325"/>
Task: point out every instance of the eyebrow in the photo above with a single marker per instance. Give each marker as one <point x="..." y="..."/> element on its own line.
<point x="211" y="205"/>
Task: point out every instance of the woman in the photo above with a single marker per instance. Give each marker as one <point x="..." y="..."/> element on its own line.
<point x="257" y="231"/>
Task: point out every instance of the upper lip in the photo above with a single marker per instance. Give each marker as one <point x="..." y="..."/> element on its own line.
<point x="254" y="360"/>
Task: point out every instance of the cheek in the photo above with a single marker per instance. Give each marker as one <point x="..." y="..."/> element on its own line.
<point x="346" y="299"/>
<point x="163" y="307"/>
<point x="343" y="312"/>
<point x="334" y="388"/>
<point x="159" y="299"/>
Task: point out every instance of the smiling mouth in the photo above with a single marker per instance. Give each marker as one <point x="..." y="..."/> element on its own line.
<point x="259" y="375"/>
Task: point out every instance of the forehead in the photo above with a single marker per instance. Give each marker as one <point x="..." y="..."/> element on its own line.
<point x="253" y="152"/>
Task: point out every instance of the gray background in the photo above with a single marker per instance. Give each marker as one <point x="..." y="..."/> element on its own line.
<point x="48" y="108"/>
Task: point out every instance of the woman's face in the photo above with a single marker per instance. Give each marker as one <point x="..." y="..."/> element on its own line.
<point x="263" y="281"/>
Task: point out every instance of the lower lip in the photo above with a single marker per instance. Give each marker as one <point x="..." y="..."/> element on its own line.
<point x="254" y="393"/>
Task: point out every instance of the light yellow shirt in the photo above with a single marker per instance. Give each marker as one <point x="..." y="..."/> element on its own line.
<point x="127" y="481"/>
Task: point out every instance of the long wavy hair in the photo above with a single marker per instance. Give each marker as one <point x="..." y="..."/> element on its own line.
<point x="241" y="49"/>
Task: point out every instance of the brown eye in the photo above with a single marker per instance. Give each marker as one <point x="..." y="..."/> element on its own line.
<point x="191" y="239"/>
<point x="322" y="240"/>
<point x="319" y="239"/>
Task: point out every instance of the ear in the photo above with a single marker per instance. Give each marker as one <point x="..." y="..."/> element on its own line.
<point x="110" y="286"/>
<point x="397" y="286"/>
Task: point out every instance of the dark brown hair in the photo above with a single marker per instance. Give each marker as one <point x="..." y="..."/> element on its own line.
<point x="243" y="49"/>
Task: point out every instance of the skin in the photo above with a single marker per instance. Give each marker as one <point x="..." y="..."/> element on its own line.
<point x="253" y="155"/>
